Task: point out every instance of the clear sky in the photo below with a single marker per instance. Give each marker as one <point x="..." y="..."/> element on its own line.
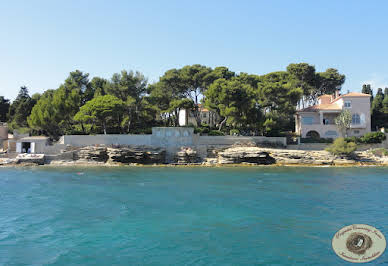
<point x="42" y="41"/>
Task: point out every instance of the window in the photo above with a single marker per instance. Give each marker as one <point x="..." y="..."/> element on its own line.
<point x="331" y="133"/>
<point x="356" y="119"/>
<point x="348" y="104"/>
<point x="307" y="120"/>
<point x="356" y="132"/>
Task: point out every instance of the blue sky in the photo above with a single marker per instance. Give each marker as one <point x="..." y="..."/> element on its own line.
<point x="42" y="41"/>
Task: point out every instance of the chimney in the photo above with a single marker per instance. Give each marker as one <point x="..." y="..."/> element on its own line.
<point x="336" y="94"/>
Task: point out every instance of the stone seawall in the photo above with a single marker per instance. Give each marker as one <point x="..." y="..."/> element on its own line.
<point x="219" y="156"/>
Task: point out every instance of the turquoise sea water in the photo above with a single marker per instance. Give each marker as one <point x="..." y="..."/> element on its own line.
<point x="185" y="216"/>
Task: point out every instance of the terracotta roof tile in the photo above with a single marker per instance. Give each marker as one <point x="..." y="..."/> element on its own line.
<point x="317" y="107"/>
<point x="356" y="94"/>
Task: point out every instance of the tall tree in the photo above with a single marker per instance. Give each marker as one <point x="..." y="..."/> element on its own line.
<point x="4" y="108"/>
<point x="169" y="96"/>
<point x="368" y="90"/>
<point x="68" y="98"/>
<point x="234" y="101"/>
<point x="44" y="116"/>
<point x="377" y="114"/>
<point x="196" y="79"/>
<point x="327" y="82"/>
<point x="278" y="98"/>
<point x="303" y="76"/>
<point x="343" y="122"/>
<point x="99" y="86"/>
<point x="20" y="109"/>
<point x="100" y="111"/>
<point x="130" y="87"/>
<point x="385" y="107"/>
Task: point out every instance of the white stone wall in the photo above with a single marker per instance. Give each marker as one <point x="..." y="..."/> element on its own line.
<point x="230" y="140"/>
<point x="91" y="140"/>
<point x="180" y="136"/>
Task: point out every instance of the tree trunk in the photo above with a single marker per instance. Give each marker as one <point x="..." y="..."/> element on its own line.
<point x="104" y="125"/>
<point x="129" y="125"/>
<point x="222" y="123"/>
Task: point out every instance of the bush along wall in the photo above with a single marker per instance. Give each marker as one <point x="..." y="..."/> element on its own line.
<point x="368" y="138"/>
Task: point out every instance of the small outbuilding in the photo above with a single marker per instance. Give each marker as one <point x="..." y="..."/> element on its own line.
<point x="35" y="144"/>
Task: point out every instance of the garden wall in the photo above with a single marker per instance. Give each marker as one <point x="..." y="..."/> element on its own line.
<point x="164" y="137"/>
<point x="230" y="140"/>
<point x="91" y="140"/>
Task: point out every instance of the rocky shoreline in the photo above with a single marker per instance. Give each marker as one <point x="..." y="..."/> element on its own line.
<point x="233" y="156"/>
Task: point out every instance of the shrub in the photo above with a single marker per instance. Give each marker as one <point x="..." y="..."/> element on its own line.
<point x="234" y="132"/>
<point x="341" y="147"/>
<point x="201" y="130"/>
<point x="216" y="133"/>
<point x="353" y="139"/>
<point x="373" y="137"/>
<point x="380" y="152"/>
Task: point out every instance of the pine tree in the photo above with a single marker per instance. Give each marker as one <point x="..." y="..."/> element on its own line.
<point x="367" y="90"/>
<point x="377" y="114"/>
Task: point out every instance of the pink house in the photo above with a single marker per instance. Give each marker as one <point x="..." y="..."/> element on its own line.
<point x="318" y="120"/>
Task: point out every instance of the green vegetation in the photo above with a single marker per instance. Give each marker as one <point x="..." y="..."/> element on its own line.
<point x="343" y="122"/>
<point x="368" y="138"/>
<point x="4" y="107"/>
<point x="341" y="147"/>
<point x="381" y="152"/>
<point x="100" y="112"/>
<point x="379" y="106"/>
<point x="234" y="132"/>
<point x="216" y="133"/>
<point x="246" y="103"/>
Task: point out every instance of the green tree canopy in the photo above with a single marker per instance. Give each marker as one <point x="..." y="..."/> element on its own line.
<point x="343" y="122"/>
<point x="44" y="117"/>
<point x="377" y="113"/>
<point x="385" y="107"/>
<point x="278" y="99"/>
<point x="328" y="82"/>
<point x="367" y="90"/>
<point x="20" y="109"/>
<point x="4" y="108"/>
<point x="131" y="88"/>
<point x="100" y="111"/>
<point x="234" y="101"/>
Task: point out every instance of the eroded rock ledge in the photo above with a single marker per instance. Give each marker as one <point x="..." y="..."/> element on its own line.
<point x="125" y="155"/>
<point x="237" y="154"/>
<point x="252" y="155"/>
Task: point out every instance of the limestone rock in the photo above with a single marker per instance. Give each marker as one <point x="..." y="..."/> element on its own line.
<point x="91" y="153"/>
<point x="187" y="155"/>
<point x="245" y="155"/>
<point x="343" y="162"/>
<point x="137" y="155"/>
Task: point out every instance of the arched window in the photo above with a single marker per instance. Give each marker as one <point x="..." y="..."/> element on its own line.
<point x="312" y="134"/>
<point x="356" y="119"/>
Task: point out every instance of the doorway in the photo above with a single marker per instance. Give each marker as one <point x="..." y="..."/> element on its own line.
<point x="26" y="147"/>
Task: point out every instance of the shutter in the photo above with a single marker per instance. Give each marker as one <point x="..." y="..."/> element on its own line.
<point x="18" y="147"/>
<point x="362" y="119"/>
<point x="32" y="147"/>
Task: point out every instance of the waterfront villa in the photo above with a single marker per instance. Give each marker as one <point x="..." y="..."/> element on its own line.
<point x="317" y="121"/>
<point x="186" y="117"/>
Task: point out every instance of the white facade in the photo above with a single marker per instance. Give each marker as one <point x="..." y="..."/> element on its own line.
<point x="186" y="117"/>
<point x="318" y="120"/>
